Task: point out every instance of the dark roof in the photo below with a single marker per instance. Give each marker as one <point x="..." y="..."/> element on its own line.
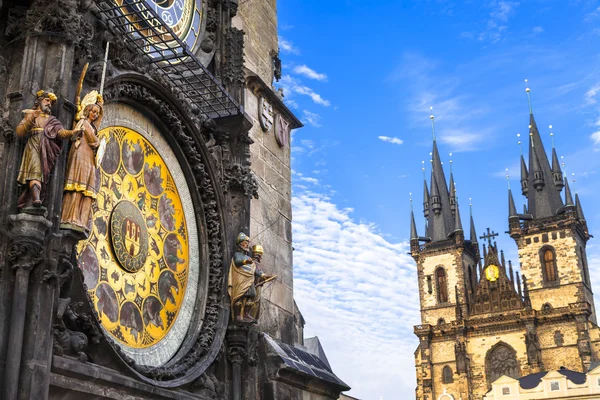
<point x="531" y="381"/>
<point x="304" y="363"/>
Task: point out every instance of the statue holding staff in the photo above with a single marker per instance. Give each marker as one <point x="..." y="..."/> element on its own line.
<point x="44" y="134"/>
<point x="81" y="186"/>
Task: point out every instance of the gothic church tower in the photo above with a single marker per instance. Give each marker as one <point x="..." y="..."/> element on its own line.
<point x="479" y="322"/>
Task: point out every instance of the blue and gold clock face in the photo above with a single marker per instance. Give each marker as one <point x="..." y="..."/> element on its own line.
<point x="186" y="18"/>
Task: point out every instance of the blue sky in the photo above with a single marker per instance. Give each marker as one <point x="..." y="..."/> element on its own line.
<point x="362" y="76"/>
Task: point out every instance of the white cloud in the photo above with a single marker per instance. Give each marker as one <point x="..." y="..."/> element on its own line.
<point x="353" y="286"/>
<point x="393" y="140"/>
<point x="461" y="140"/>
<point x="291" y="86"/>
<point x="590" y="95"/>
<point x="538" y="29"/>
<point x="595" y="137"/>
<point x="497" y="24"/>
<point x="503" y="9"/>
<point x="287" y="47"/>
<point x="311" y="118"/>
<point x="309" y="73"/>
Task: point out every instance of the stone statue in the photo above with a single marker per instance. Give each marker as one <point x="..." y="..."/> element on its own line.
<point x="245" y="279"/>
<point x="44" y="134"/>
<point x="80" y="179"/>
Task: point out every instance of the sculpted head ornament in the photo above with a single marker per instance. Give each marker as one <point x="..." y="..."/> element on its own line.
<point x="46" y="94"/>
<point x="242" y="237"/>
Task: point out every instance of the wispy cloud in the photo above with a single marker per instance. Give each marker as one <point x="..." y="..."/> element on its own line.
<point x="310" y="73"/>
<point x="287" y="47"/>
<point x="538" y="30"/>
<point x="393" y="140"/>
<point x="311" y="118"/>
<point x="350" y="282"/>
<point x="496" y="25"/>
<point x="590" y="95"/>
<point x="291" y="86"/>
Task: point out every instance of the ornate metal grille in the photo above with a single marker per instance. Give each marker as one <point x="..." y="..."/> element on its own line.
<point x="148" y="34"/>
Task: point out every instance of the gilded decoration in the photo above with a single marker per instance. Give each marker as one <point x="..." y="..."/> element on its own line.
<point x="136" y="261"/>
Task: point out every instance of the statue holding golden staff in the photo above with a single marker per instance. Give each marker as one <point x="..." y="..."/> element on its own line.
<point x="244" y="277"/>
<point x="44" y="134"/>
<point x="81" y="186"/>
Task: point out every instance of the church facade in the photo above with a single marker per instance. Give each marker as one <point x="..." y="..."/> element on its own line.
<point x="145" y="205"/>
<point x="480" y="320"/>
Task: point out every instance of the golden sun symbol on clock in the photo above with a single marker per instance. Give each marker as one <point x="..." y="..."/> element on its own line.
<point x="135" y="262"/>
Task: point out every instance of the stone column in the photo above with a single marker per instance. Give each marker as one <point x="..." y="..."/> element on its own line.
<point x="26" y="252"/>
<point x="237" y="338"/>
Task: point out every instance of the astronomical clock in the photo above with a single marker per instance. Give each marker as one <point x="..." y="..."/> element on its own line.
<point x="137" y="266"/>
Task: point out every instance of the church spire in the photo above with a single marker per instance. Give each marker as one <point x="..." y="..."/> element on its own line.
<point x="543" y="199"/>
<point x="578" y="208"/>
<point x="512" y="210"/>
<point x="568" y="196"/>
<point x="556" y="170"/>
<point x="473" y="233"/>
<point x="426" y="203"/>
<point x="441" y="221"/>
<point x="457" y="221"/>
<point x="413" y="225"/>
<point x="524" y="177"/>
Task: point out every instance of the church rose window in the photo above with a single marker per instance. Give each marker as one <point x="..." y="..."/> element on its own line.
<point x="549" y="264"/>
<point x="447" y="375"/>
<point x="501" y="360"/>
<point x="441" y="285"/>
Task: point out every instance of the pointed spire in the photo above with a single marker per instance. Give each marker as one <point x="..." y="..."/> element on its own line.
<point x="452" y="192"/>
<point x="512" y="210"/>
<point x="441" y="221"/>
<point x="426" y="201"/>
<point x="473" y="233"/>
<point x="413" y="225"/>
<point x="556" y="171"/>
<point x="578" y="208"/>
<point x="544" y="201"/>
<point x="568" y="196"/>
<point x="519" y="286"/>
<point x="524" y="177"/>
<point x="510" y="272"/>
<point x="502" y="261"/>
<point x="457" y="221"/>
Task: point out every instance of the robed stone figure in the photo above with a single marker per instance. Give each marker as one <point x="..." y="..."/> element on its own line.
<point x="244" y="282"/>
<point x="81" y="186"/>
<point x="44" y="134"/>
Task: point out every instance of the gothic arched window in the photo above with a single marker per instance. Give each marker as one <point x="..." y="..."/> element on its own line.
<point x="441" y="284"/>
<point x="447" y="375"/>
<point x="548" y="258"/>
<point x="501" y="360"/>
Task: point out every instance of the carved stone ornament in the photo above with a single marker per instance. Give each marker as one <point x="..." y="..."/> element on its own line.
<point x="265" y="114"/>
<point x="282" y="130"/>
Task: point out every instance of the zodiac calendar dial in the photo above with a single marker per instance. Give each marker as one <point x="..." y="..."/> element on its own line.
<point x="135" y="263"/>
<point x="186" y="18"/>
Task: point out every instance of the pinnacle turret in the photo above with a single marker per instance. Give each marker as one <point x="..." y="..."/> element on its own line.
<point x="578" y="208"/>
<point x="543" y="198"/>
<point x="413" y="226"/>
<point x="473" y="231"/>
<point x="441" y="220"/>
<point x="524" y="177"/>
<point x="557" y="171"/>
<point x="512" y="210"/>
<point x="457" y="221"/>
<point x="425" y="199"/>
<point x="568" y="196"/>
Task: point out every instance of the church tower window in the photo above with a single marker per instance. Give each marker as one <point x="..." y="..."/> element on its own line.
<point x="441" y="284"/>
<point x="447" y="375"/>
<point x="549" y="264"/>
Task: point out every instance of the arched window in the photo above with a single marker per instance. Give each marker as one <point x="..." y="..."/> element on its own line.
<point x="547" y="307"/>
<point x="441" y="321"/>
<point x="548" y="258"/>
<point x="441" y="285"/>
<point x="501" y="360"/>
<point x="447" y="375"/>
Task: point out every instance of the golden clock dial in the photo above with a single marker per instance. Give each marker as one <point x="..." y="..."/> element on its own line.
<point x="135" y="263"/>
<point x="492" y="273"/>
<point x="186" y="18"/>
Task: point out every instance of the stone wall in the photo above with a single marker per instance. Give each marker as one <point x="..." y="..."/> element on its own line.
<point x="573" y="278"/>
<point x="271" y="213"/>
